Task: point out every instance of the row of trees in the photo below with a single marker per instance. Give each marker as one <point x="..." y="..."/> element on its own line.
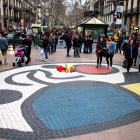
<point x="63" y="12"/>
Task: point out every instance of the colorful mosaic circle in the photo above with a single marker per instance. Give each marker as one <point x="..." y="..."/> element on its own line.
<point x="46" y="104"/>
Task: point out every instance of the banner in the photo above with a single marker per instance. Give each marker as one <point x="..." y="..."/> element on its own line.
<point x="119" y="11"/>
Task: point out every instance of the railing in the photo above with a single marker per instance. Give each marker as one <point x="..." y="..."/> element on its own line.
<point x="5" y="17"/>
<point x="11" y="18"/>
<point x="17" y="19"/>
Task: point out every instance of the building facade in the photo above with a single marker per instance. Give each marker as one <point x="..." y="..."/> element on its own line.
<point x="17" y="14"/>
<point x="130" y="17"/>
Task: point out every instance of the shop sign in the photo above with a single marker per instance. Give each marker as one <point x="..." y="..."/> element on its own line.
<point x="119" y="11"/>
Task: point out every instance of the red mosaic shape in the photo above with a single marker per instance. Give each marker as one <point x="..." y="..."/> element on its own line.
<point x="93" y="69"/>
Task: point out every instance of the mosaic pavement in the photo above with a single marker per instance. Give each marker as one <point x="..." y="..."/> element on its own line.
<point x="39" y="103"/>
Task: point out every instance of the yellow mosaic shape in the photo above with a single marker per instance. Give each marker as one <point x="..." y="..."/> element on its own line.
<point x="133" y="87"/>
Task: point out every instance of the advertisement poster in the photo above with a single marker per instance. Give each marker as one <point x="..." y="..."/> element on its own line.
<point x="119" y="11"/>
<point x="35" y="30"/>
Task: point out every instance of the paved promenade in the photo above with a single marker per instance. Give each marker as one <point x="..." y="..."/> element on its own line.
<point x="39" y="103"/>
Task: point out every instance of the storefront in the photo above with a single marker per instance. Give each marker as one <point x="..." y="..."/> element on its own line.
<point x="95" y="27"/>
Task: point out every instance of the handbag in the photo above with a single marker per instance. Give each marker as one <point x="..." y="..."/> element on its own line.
<point x="125" y="64"/>
<point x="41" y="51"/>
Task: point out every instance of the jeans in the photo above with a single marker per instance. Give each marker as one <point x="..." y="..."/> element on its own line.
<point x="41" y="54"/>
<point x="99" y="58"/>
<point x="118" y="48"/>
<point x="77" y="51"/>
<point x="61" y="43"/>
<point x="68" y="49"/>
<point x="17" y="58"/>
<point x="90" y="48"/>
<point x="46" y="52"/>
<point x="52" y="48"/>
<point x="111" y="57"/>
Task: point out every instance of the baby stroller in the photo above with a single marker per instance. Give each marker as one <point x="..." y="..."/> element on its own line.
<point x="20" y="59"/>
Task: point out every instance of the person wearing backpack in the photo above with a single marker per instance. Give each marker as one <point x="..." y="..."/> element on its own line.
<point x="111" y="52"/>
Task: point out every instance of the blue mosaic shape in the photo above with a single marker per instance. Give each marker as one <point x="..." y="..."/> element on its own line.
<point x="61" y="108"/>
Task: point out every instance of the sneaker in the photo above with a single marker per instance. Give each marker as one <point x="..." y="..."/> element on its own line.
<point x="42" y="59"/>
<point x="97" y="66"/>
<point x="110" y="67"/>
<point x="68" y="56"/>
<point x="46" y="60"/>
<point x="107" y="66"/>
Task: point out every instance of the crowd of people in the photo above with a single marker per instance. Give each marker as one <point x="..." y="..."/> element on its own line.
<point x="46" y="42"/>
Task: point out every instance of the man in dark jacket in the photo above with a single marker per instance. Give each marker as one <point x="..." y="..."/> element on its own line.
<point x="68" y="43"/>
<point x="76" y="45"/>
<point x="27" y="42"/>
<point x="4" y="48"/>
<point x="130" y="54"/>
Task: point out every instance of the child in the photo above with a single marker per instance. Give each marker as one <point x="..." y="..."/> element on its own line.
<point x="19" y="54"/>
<point x="138" y="58"/>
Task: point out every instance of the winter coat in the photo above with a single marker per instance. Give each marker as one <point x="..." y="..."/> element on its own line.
<point x="111" y="48"/>
<point x="77" y="43"/>
<point x="51" y="39"/>
<point x="99" y="47"/>
<point x="68" y="40"/>
<point x="28" y="49"/>
<point x="46" y="44"/>
<point x="130" y="51"/>
<point x="138" y="58"/>
<point x="3" y="44"/>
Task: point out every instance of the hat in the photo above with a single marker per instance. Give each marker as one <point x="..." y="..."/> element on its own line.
<point x="19" y="49"/>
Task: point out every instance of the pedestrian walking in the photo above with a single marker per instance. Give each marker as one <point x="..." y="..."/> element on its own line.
<point x="40" y="44"/>
<point x="136" y="53"/>
<point x="28" y="43"/>
<point x="110" y="53"/>
<point x="130" y="54"/>
<point x="100" y="51"/>
<point x="55" y="41"/>
<point x="82" y="40"/>
<point x="85" y="44"/>
<point x="68" y="43"/>
<point x="138" y="58"/>
<point x="52" y="41"/>
<point x="76" y="45"/>
<point x="90" y="42"/>
<point x="3" y="48"/>
<point x="61" y="39"/>
<point x="46" y="46"/>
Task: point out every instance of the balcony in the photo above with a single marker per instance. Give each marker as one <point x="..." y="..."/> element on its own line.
<point x="5" y="17"/>
<point x="11" y="18"/>
<point x="32" y="20"/>
<point x="131" y="11"/>
<point x="16" y="8"/>
<point x="10" y="6"/>
<point x="5" y="3"/>
<point x="16" y="19"/>
<point x="27" y="18"/>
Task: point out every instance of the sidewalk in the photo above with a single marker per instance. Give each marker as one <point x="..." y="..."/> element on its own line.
<point x="90" y="104"/>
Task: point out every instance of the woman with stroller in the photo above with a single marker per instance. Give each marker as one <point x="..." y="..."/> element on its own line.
<point x="40" y="44"/>
<point x="100" y="51"/>
<point x="46" y="47"/>
<point x="27" y="42"/>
